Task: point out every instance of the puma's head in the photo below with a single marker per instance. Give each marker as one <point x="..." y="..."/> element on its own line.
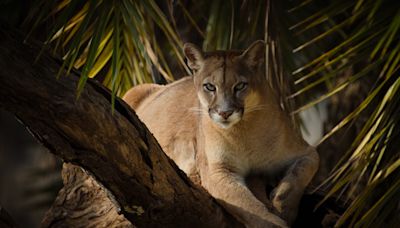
<point x="227" y="82"/>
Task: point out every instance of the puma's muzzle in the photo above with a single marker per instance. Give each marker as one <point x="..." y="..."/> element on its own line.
<point x="226" y="118"/>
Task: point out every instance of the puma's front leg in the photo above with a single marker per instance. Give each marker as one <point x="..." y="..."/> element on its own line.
<point x="286" y="196"/>
<point x="230" y="190"/>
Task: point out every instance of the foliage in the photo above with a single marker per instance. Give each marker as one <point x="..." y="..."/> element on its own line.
<point x="114" y="39"/>
<point x="124" y="43"/>
<point x="365" y="37"/>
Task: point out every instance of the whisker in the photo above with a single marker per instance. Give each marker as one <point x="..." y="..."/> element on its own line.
<point x="197" y="110"/>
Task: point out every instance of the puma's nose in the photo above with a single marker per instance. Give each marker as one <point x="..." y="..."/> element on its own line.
<point x="225" y="114"/>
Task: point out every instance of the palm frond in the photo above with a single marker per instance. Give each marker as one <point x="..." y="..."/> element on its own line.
<point x="114" y="39"/>
<point x="360" y="33"/>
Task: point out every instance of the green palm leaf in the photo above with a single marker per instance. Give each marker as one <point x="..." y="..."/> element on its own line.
<point x="95" y="37"/>
<point x="373" y="41"/>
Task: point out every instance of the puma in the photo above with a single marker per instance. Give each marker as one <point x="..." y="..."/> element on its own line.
<point x="225" y="129"/>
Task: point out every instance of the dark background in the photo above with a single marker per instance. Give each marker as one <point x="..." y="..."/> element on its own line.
<point x="30" y="176"/>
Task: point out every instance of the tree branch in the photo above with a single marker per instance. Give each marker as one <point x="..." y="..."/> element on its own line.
<point x="117" y="149"/>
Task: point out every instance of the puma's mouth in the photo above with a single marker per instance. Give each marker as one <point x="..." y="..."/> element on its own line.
<point x="226" y="122"/>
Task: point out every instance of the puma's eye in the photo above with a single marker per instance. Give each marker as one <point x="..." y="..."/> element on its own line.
<point x="209" y="87"/>
<point x="240" y="86"/>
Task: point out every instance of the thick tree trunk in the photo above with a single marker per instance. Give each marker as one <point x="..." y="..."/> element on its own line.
<point x="116" y="149"/>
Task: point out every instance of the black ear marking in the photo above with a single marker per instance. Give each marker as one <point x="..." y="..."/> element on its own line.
<point x="194" y="56"/>
<point x="255" y="54"/>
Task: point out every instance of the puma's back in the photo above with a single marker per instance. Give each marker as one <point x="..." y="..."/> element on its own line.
<point x="171" y="115"/>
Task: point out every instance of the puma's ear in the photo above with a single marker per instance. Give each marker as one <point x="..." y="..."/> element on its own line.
<point x="255" y="54"/>
<point x="194" y="56"/>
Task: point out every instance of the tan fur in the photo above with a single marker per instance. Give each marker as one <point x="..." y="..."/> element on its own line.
<point x="255" y="140"/>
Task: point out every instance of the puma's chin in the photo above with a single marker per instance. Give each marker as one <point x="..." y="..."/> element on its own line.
<point x="226" y="123"/>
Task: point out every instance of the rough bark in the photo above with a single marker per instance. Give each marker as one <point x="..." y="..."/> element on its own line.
<point x="82" y="202"/>
<point x="116" y="149"/>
